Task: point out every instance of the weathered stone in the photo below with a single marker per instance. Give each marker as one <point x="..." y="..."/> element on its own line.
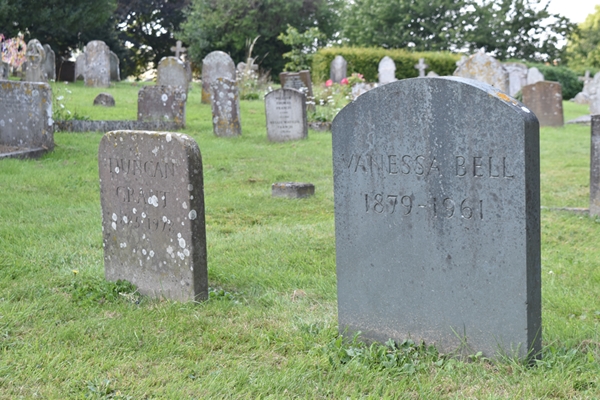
<point x="115" y="69"/>
<point x="104" y="99"/>
<point x="300" y="81"/>
<point x="26" y="115"/>
<point x="534" y="76"/>
<point x="79" y="67"/>
<point x="437" y="213"/>
<point x="432" y="74"/>
<point x="49" y="63"/>
<point x="152" y="198"/>
<point x="292" y="190"/>
<point x="517" y="77"/>
<point x="361" y="88"/>
<point x="162" y="103"/>
<point x="178" y="49"/>
<point x="387" y="70"/>
<point x="35" y="62"/>
<point x="595" y="167"/>
<point x="338" y="69"/>
<point x="581" y="98"/>
<point x="484" y="68"/>
<point x="285" y="111"/>
<point x="4" y="70"/>
<point x="225" y="101"/>
<point x="216" y="64"/>
<point x="544" y="98"/>
<point x="97" y="64"/>
<point x="171" y="72"/>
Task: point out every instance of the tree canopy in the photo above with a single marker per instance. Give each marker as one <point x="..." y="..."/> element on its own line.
<point x="583" y="50"/>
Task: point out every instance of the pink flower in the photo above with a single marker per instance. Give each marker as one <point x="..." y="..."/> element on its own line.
<point x="344" y="81"/>
<point x="329" y="83"/>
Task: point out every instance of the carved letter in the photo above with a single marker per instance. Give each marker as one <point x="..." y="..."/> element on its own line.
<point x="405" y="166"/>
<point x="419" y="170"/>
<point x="433" y="166"/>
<point x="476" y="165"/>
<point x="504" y="169"/>
<point x="460" y="166"/>
<point x="394" y="170"/>
<point x="491" y="174"/>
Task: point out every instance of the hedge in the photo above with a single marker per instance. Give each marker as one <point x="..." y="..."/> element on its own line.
<point x="365" y="60"/>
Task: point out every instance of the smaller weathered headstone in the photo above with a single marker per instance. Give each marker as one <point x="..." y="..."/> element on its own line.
<point x="595" y="167"/>
<point x="35" y="62"/>
<point x="171" y="72"/>
<point x="517" y="77"/>
<point x="4" y="70"/>
<point x="225" y="102"/>
<point x="79" y="67"/>
<point x="387" y="70"/>
<point x="292" y="190"/>
<point x="484" y="68"/>
<point x="534" y="76"/>
<point x="216" y="64"/>
<point x="104" y="99"/>
<point x="300" y="81"/>
<point x="152" y="197"/>
<point x="285" y="110"/>
<point x="421" y="66"/>
<point x="338" y="69"/>
<point x="115" y="69"/>
<point x="49" y="63"/>
<point x="432" y="74"/>
<point x="97" y="64"/>
<point x="162" y="103"/>
<point x="360" y="88"/>
<point x="544" y="98"/>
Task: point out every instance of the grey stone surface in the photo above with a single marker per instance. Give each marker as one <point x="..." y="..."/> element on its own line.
<point x="285" y="111"/>
<point x="35" y="62"/>
<point x="292" y="190"/>
<point x="171" y="72"/>
<point x="152" y="197"/>
<point x="74" y="125"/>
<point x="387" y="70"/>
<point x="484" y="68"/>
<point x="517" y="77"/>
<point x="300" y="81"/>
<point x="437" y="213"/>
<point x="338" y="69"/>
<point x="544" y="98"/>
<point x="216" y="64"/>
<point x="595" y="167"/>
<point x="104" y="99"/>
<point x="115" y="69"/>
<point x="79" y="67"/>
<point x="178" y="49"/>
<point x="97" y="64"/>
<point x="4" y="70"/>
<point x="26" y="115"/>
<point x="583" y="120"/>
<point x="225" y="102"/>
<point x="162" y="103"/>
<point x="49" y="63"/>
<point x="534" y="76"/>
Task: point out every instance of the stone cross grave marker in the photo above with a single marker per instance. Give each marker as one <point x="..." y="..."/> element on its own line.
<point x="171" y="72"/>
<point x="421" y="66"/>
<point x="544" y="99"/>
<point x="26" y="117"/>
<point x="97" y="64"/>
<point x="49" y="62"/>
<point x="178" y="49"/>
<point x="595" y="167"/>
<point x="285" y="111"/>
<point x="215" y="65"/>
<point x="35" y="62"/>
<point x="162" y="103"/>
<point x="152" y="198"/>
<point x="437" y="214"/>
<point x="338" y="69"/>
<point x="484" y="68"/>
<point x="387" y="70"/>
<point x="225" y="101"/>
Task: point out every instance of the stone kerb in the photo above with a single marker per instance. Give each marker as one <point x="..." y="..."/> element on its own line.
<point x="151" y="192"/>
<point x="285" y="111"/>
<point x="437" y="214"/>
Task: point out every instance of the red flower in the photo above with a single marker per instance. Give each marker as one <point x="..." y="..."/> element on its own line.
<point x="329" y="83"/>
<point x="344" y="81"/>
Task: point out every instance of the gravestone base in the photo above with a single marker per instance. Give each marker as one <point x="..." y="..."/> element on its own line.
<point x="21" y="153"/>
<point x="292" y="190"/>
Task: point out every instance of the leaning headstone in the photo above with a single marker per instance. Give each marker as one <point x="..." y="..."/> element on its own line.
<point x="115" y="69"/>
<point x="152" y="198"/>
<point x="79" y="67"/>
<point x="338" y="69"/>
<point x="544" y="98"/>
<point x="517" y="77"/>
<point x="292" y="190"/>
<point x="285" y="111"/>
<point x="595" y="167"/>
<point x="216" y="64"/>
<point x="104" y="99"/>
<point x="49" y="62"/>
<point x="162" y="103"/>
<point x="26" y="117"/>
<point x="35" y="62"/>
<point x="97" y="64"/>
<point x="225" y="101"/>
<point x="437" y="213"/>
<point x="387" y="70"/>
<point x="534" y="76"/>
<point x="484" y="68"/>
<point x="171" y="72"/>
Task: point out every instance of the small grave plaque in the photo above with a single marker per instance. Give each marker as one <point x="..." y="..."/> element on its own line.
<point x="216" y="64"/>
<point x="437" y="213"/>
<point x="162" y="103"/>
<point x="285" y="110"/>
<point x="544" y="98"/>
<point x="104" y="99"/>
<point x="151" y="192"/>
<point x="225" y="100"/>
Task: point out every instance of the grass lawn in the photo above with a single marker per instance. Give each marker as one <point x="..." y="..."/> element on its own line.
<point x="269" y="329"/>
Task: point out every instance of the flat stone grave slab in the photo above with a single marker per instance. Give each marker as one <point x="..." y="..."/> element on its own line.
<point x="292" y="190"/>
<point x="285" y="110"/>
<point x="151" y="192"/>
<point x="437" y="214"/>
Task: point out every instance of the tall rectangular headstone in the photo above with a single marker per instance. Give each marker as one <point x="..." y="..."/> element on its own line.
<point x="544" y="98"/>
<point x="387" y="70"/>
<point x="171" y="72"/>
<point x="437" y="213"/>
<point x="151" y="192"/>
<point x="162" y="103"/>
<point x="225" y="102"/>
<point x="285" y="111"/>
<point x="97" y="64"/>
<point x="215" y="65"/>
<point x="595" y="167"/>
<point x="49" y="63"/>
<point x="26" y="115"/>
<point x="338" y="69"/>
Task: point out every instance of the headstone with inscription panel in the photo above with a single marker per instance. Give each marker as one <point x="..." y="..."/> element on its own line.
<point x="285" y="111"/>
<point x="437" y="213"/>
<point x="162" y="103"/>
<point x="225" y="103"/>
<point x="151" y="192"/>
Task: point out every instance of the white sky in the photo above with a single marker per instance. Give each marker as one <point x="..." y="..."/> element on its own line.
<point x="575" y="10"/>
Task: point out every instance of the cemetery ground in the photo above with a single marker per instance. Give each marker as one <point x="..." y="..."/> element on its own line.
<point x="269" y="328"/>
